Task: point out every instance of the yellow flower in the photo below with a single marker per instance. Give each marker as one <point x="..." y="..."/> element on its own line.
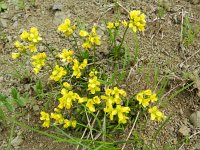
<point x="145" y="97"/>
<point x="93" y="73"/>
<point x="38" y="61"/>
<point x="83" y="33"/>
<point x="86" y="45"/>
<point x="67" y="98"/>
<point x="73" y="123"/>
<point x="67" y="123"/>
<point x="124" y="23"/>
<point x="93" y="85"/>
<point x="20" y="46"/>
<point x="119" y="111"/>
<point x="84" y="64"/>
<point x="58" y="73"/>
<point x="153" y="98"/>
<point x="90" y="103"/>
<point x="67" y="85"/>
<point x="24" y="35"/>
<point x="110" y="25"/>
<point x="137" y="21"/>
<point x="66" y="55"/>
<point x="58" y="118"/>
<point x="45" y="117"/>
<point x="142" y="100"/>
<point x="34" y="35"/>
<point x="156" y="114"/>
<point x="32" y="47"/>
<point x="66" y="28"/>
<point x="15" y="55"/>
<point x="76" y="69"/>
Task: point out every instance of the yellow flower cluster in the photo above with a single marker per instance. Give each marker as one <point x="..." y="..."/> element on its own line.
<point x="113" y="104"/>
<point x="59" y="119"/>
<point x="91" y="39"/>
<point x="30" y="40"/>
<point x="90" y="103"/>
<point x="58" y="73"/>
<point x="137" y="21"/>
<point x="38" y="61"/>
<point x="93" y="85"/>
<point x="112" y="25"/>
<point x="67" y="99"/>
<point x="67" y="28"/>
<point x="77" y="67"/>
<point x="145" y="97"/>
<point x="156" y="114"/>
<point x="46" y="118"/>
<point x="66" y="55"/>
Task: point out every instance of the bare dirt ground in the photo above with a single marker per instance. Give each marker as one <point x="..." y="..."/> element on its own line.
<point x="160" y="44"/>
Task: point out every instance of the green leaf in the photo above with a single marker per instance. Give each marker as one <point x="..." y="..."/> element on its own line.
<point x="9" y="106"/>
<point x="3" y="6"/>
<point x="2" y="116"/>
<point x="20" y="101"/>
<point x="14" y="93"/>
<point x="2" y="97"/>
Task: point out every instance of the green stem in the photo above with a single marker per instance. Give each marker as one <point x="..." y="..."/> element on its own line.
<point x="120" y="46"/>
<point x="76" y="43"/>
<point x="51" y="51"/>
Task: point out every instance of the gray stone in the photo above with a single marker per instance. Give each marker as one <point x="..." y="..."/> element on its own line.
<point x="17" y="141"/>
<point x="3" y="23"/>
<point x="57" y="6"/>
<point x="195" y="119"/>
<point x="59" y="17"/>
<point x="194" y="1"/>
<point x="184" y="131"/>
<point x="36" y="108"/>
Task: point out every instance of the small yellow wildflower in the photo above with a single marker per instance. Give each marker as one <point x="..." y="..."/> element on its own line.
<point x="83" y="33"/>
<point x="66" y="28"/>
<point x="145" y="97"/>
<point x="142" y="100"/>
<point x="93" y="73"/>
<point x="15" y="55"/>
<point x="124" y="23"/>
<point x="67" y="85"/>
<point x="90" y="103"/>
<point x="32" y="47"/>
<point x="110" y="25"/>
<point x="45" y="117"/>
<point x="86" y="45"/>
<point x="58" y="118"/>
<point x="21" y="48"/>
<point x="38" y="61"/>
<point x="58" y="73"/>
<point x="24" y="35"/>
<point x="34" y="35"/>
<point x="84" y="64"/>
<point x="66" y="55"/>
<point x="156" y="114"/>
<point x="67" y="98"/>
<point x="76" y="69"/>
<point x="119" y="111"/>
<point x="93" y="85"/>
<point x="137" y="21"/>
<point x="67" y="123"/>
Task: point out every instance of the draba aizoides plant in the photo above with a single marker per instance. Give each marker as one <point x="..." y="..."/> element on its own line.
<point x="82" y="94"/>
